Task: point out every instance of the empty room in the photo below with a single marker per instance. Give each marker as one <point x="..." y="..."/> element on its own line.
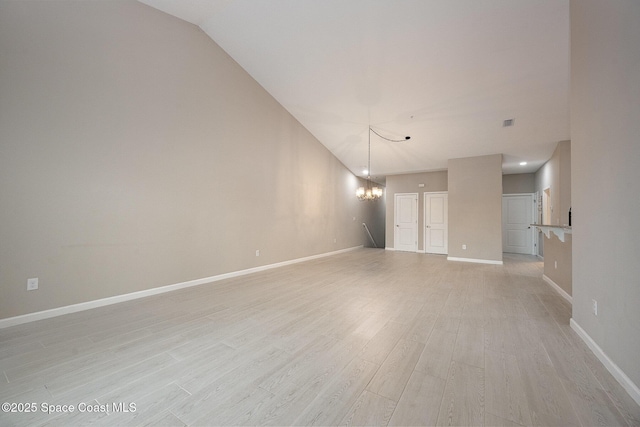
<point x="302" y="212"/>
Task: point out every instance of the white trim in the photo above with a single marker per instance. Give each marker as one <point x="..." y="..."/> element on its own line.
<point x="421" y="251"/>
<point x="395" y="222"/>
<point x="544" y="220"/>
<point x="387" y="248"/>
<point x="479" y="261"/>
<point x="537" y="215"/>
<point x="424" y="221"/>
<point x="614" y="369"/>
<point x="59" y="311"/>
<point x="558" y="289"/>
<point x="534" y="246"/>
<point x="518" y="194"/>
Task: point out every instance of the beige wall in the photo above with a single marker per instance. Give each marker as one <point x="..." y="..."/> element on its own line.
<point x="555" y="175"/>
<point x="135" y="154"/>
<point x="475" y="207"/>
<point x="558" y="261"/>
<point x="605" y="89"/>
<point x="518" y="183"/>
<point x="410" y="183"/>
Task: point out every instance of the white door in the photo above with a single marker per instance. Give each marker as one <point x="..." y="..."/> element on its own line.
<point x="517" y="217"/>
<point x="436" y="212"/>
<point x="406" y="222"/>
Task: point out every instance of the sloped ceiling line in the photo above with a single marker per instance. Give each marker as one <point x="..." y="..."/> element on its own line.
<point x="445" y="72"/>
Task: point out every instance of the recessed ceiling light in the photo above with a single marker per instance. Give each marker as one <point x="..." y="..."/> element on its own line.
<point x="365" y="172"/>
<point x="523" y="163"/>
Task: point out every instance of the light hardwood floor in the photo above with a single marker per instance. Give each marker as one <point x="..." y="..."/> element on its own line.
<point x="370" y="337"/>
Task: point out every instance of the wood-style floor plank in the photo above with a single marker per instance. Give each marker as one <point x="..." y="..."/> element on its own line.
<point x="496" y="421"/>
<point x="392" y="377"/>
<point x="469" y="347"/>
<point x="337" y="397"/>
<point x="369" y="410"/>
<point x="420" y="403"/>
<point x="504" y="392"/>
<point x="368" y="337"/>
<point x="436" y="356"/>
<point x="377" y="350"/>
<point x="463" y="399"/>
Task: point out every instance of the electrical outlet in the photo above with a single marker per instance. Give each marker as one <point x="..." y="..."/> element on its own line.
<point x="595" y="307"/>
<point x="258" y="252"/>
<point x="464" y="247"/>
<point x="555" y="264"/>
<point x="32" y="284"/>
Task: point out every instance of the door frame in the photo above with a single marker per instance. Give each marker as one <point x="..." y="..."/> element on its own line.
<point x="424" y="220"/>
<point x="534" y="212"/>
<point x="395" y="219"/>
<point x="538" y="242"/>
<point x="547" y="208"/>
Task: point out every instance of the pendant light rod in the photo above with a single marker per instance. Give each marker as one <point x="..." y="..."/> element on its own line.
<point x="369" y="161"/>
<point x="369" y="192"/>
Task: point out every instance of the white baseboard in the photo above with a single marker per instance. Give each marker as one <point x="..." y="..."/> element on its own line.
<point x="479" y="261"/>
<point x="614" y="369"/>
<point x="558" y="289"/>
<point x="59" y="311"/>
<point x="418" y="251"/>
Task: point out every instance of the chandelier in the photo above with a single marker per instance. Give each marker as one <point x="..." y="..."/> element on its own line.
<point x="369" y="193"/>
<point x="373" y="192"/>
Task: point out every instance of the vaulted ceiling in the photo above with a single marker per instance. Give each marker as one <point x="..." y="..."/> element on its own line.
<point x="446" y="72"/>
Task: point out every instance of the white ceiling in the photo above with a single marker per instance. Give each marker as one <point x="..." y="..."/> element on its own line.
<point x="445" y="72"/>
